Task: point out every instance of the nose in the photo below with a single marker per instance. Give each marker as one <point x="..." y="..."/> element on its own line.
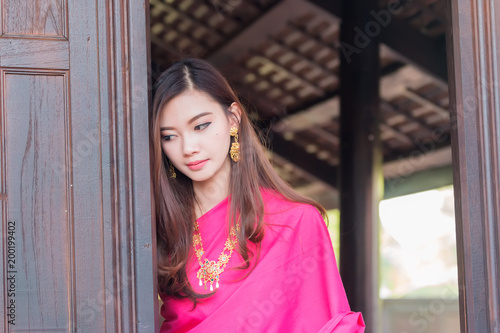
<point x="190" y="145"/>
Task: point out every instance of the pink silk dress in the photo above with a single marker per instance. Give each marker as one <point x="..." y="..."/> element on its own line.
<point x="295" y="286"/>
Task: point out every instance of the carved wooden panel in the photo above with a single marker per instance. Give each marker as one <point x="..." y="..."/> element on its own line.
<point x="40" y="18"/>
<point x="34" y="53"/>
<point x="36" y="202"/>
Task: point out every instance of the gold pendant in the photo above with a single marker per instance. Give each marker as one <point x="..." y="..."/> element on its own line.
<point x="209" y="272"/>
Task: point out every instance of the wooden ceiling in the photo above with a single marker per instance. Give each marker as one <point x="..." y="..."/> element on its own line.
<point x="283" y="58"/>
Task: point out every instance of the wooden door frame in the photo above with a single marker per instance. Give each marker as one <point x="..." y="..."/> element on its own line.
<point x="474" y="84"/>
<point x="130" y="99"/>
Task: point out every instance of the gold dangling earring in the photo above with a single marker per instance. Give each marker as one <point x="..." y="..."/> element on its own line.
<point x="173" y="175"/>
<point x="235" y="146"/>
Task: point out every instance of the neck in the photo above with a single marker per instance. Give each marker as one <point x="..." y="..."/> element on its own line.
<point x="209" y="193"/>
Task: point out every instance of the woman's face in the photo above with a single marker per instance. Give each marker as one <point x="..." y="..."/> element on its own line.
<point x="194" y="130"/>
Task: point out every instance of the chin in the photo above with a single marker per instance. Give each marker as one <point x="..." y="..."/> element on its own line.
<point x="199" y="177"/>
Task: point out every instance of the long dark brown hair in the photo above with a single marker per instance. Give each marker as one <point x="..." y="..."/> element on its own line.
<point x="175" y="199"/>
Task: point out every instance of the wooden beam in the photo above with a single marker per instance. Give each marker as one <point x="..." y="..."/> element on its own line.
<point x="159" y="43"/>
<point x="162" y="6"/>
<point x="262" y="59"/>
<point x="384" y="71"/>
<point x="222" y="9"/>
<point x="310" y="61"/>
<point x="333" y="7"/>
<point x="305" y="161"/>
<point x="302" y="30"/>
<point x="445" y="114"/>
<point x="397" y="133"/>
<point x="307" y="174"/>
<point x="405" y="166"/>
<point x="252" y="4"/>
<point x="297" y="155"/>
<point x="269" y="23"/>
<point x="473" y="57"/>
<point x="326" y="135"/>
<point x="419" y="181"/>
<point x="425" y="52"/>
<point x="386" y="105"/>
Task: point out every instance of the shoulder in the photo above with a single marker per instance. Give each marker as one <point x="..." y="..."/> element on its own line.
<point x="295" y="228"/>
<point x="281" y="211"/>
<point x="275" y="202"/>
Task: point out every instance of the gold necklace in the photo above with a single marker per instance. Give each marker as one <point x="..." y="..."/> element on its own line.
<point x="209" y="269"/>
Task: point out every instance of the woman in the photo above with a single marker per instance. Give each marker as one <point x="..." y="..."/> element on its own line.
<point x="238" y="249"/>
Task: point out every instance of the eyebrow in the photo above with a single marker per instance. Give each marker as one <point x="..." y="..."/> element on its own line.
<point x="190" y="121"/>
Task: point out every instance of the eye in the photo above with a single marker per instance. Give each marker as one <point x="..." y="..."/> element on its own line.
<point x="202" y="126"/>
<point x="167" y="137"/>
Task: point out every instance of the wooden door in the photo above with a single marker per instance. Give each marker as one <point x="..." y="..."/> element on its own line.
<point x="74" y="185"/>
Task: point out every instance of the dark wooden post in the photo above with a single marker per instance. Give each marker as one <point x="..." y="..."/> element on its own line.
<point x="361" y="179"/>
<point x="473" y="38"/>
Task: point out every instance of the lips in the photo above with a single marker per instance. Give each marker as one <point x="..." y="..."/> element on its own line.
<point x="196" y="165"/>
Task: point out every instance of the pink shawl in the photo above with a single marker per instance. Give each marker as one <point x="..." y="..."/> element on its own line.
<point x="295" y="286"/>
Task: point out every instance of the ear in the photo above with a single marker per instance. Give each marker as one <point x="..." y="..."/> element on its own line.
<point x="235" y="111"/>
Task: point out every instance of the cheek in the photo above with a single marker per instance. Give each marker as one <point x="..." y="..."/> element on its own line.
<point x="165" y="153"/>
<point x="167" y="150"/>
